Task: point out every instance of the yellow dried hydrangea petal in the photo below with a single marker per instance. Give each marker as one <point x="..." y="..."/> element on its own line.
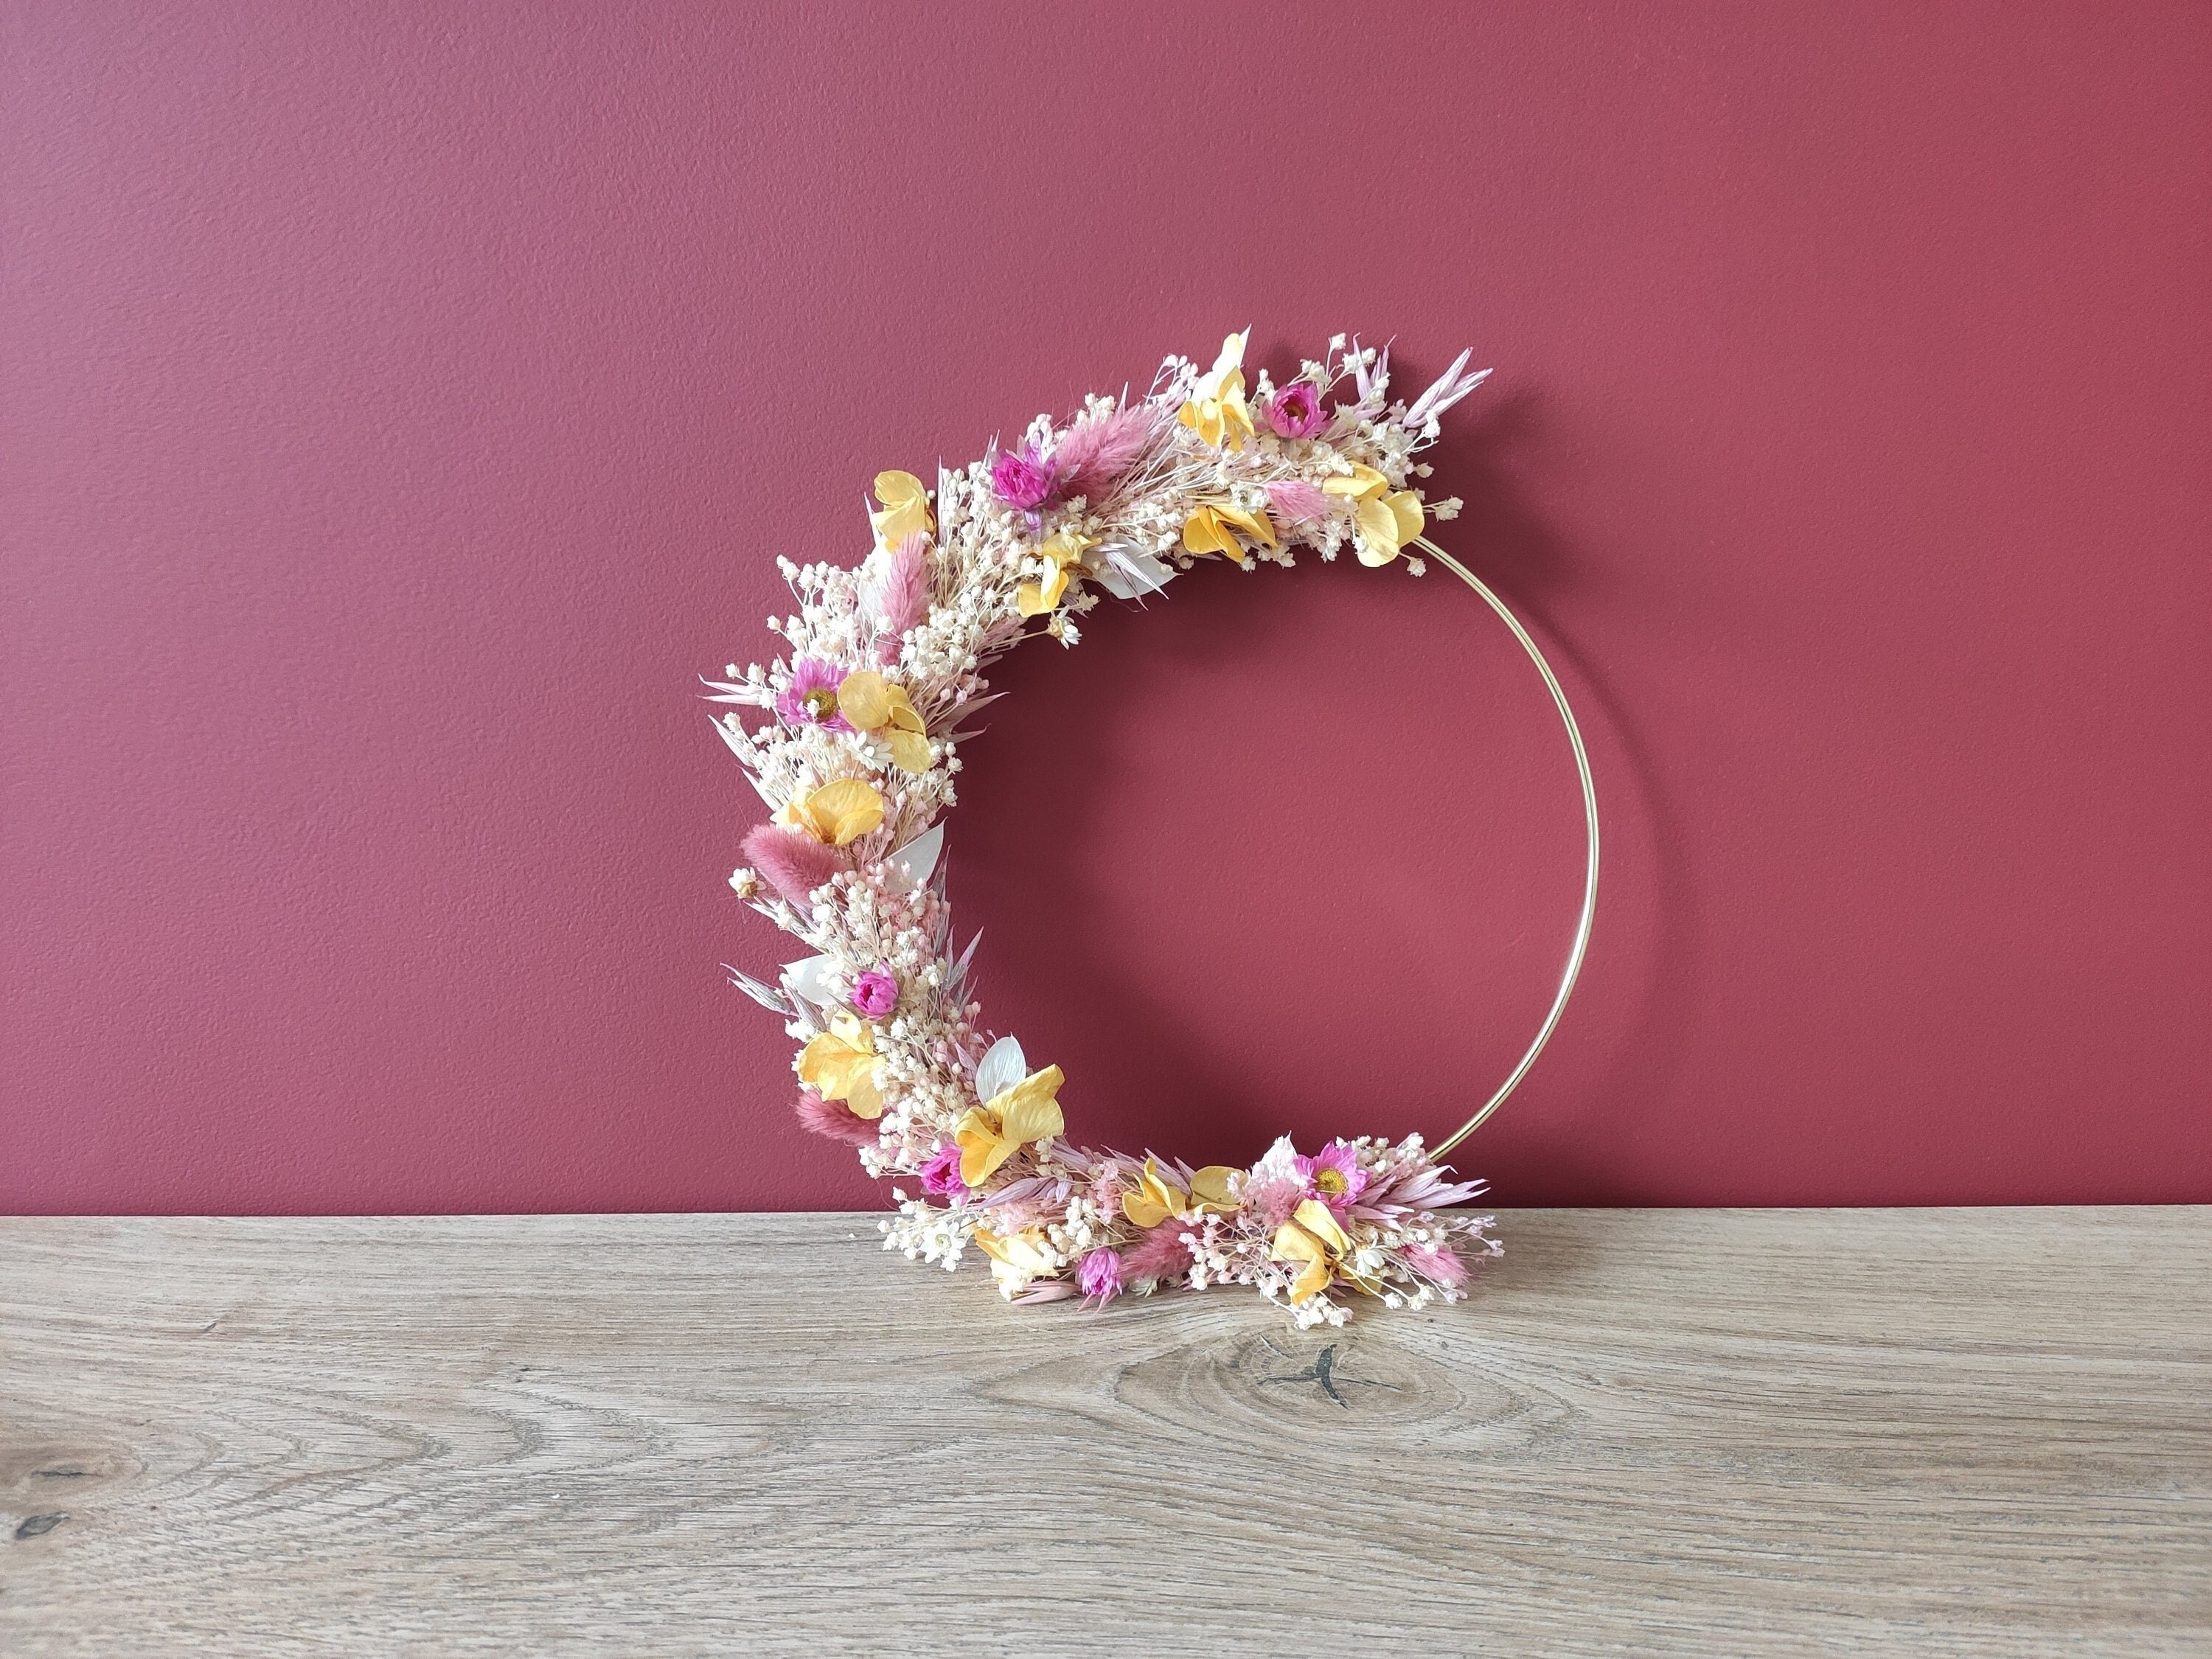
<point x="1364" y="482"/>
<point x="1035" y="599"/>
<point x="982" y="1149"/>
<point x="865" y="1098"/>
<point x="910" y="749"/>
<point x="1203" y="532"/>
<point x="1293" y="1243"/>
<point x="1378" y="533"/>
<point x="1318" y="1220"/>
<point x="905" y="510"/>
<point x="1258" y="526"/>
<point x="894" y="487"/>
<point x="1405" y="507"/>
<point x="1213" y="525"/>
<point x="1210" y="1187"/>
<point x="1154" y="1202"/>
<point x="840" y="813"/>
<point x="1029" y="1111"/>
<point x="841" y="1064"/>
<point x="865" y="699"/>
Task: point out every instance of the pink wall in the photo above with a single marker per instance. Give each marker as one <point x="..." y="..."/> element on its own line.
<point x="402" y="404"/>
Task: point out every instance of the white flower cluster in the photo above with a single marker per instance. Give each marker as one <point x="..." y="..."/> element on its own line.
<point x="856" y="761"/>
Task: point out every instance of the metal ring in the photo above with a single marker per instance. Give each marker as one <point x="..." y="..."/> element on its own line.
<point x="1590" y="819"/>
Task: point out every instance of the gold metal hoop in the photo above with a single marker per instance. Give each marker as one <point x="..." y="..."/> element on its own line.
<point x="1589" y="821"/>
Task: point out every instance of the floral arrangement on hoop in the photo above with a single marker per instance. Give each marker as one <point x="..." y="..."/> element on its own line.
<point x="857" y="761"/>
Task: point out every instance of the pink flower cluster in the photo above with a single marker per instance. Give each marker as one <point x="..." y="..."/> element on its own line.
<point x="875" y="994"/>
<point x="1023" y="478"/>
<point x="811" y="699"/>
<point x="1100" y="1275"/>
<point x="1295" y="410"/>
<point x="1333" y="1174"/>
<point x="940" y="1177"/>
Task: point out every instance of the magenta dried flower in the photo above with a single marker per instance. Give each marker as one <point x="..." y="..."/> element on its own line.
<point x="875" y="994"/>
<point x="1296" y="411"/>
<point x="1023" y="478"/>
<point x="1333" y="1176"/>
<point x="812" y="698"/>
<point x="940" y="1177"/>
<point x="1100" y="1275"/>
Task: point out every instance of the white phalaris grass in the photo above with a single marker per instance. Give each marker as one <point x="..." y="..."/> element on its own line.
<point x="885" y="667"/>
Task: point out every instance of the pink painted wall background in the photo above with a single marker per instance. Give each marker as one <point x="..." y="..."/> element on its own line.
<point x="400" y="405"/>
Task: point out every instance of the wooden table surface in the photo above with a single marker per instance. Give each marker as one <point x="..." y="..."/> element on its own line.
<point x="1932" y="1431"/>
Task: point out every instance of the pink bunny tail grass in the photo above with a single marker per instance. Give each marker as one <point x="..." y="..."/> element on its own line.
<point x="1092" y="456"/>
<point x="1444" y="1265"/>
<point x="898" y="598"/>
<point x="833" y="1120"/>
<point x="794" y="863"/>
<point x="1298" y="500"/>
<point x="1159" y="1254"/>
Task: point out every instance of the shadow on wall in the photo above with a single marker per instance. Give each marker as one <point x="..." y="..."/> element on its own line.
<point x="1640" y="987"/>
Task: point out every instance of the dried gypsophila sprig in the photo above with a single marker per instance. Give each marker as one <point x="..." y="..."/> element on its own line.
<point x="885" y="667"/>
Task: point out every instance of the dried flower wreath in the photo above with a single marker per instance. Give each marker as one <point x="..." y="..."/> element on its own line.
<point x="857" y="761"/>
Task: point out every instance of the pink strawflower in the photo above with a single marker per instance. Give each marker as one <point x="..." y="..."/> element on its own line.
<point x="1444" y="1265"/>
<point x="794" y="863"/>
<point x="940" y="1177"/>
<point x="1021" y="478"/>
<point x="1333" y="1176"/>
<point x="898" y="598"/>
<point x="1095" y="453"/>
<point x="875" y="994"/>
<point x="1298" y="502"/>
<point x="1100" y="1275"/>
<point x="834" y="1119"/>
<point x="812" y="698"/>
<point x="1159" y="1254"/>
<point x="1296" y="411"/>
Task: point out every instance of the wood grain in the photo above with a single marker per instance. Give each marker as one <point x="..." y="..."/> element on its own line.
<point x="1651" y="1432"/>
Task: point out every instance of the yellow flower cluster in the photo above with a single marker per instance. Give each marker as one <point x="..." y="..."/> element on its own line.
<point x="872" y="704"/>
<point x="905" y="509"/>
<point x="1013" y="1118"/>
<point x="837" y="814"/>
<point x="841" y="1064"/>
<point x="1386" y="520"/>
<point x="1216" y="410"/>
